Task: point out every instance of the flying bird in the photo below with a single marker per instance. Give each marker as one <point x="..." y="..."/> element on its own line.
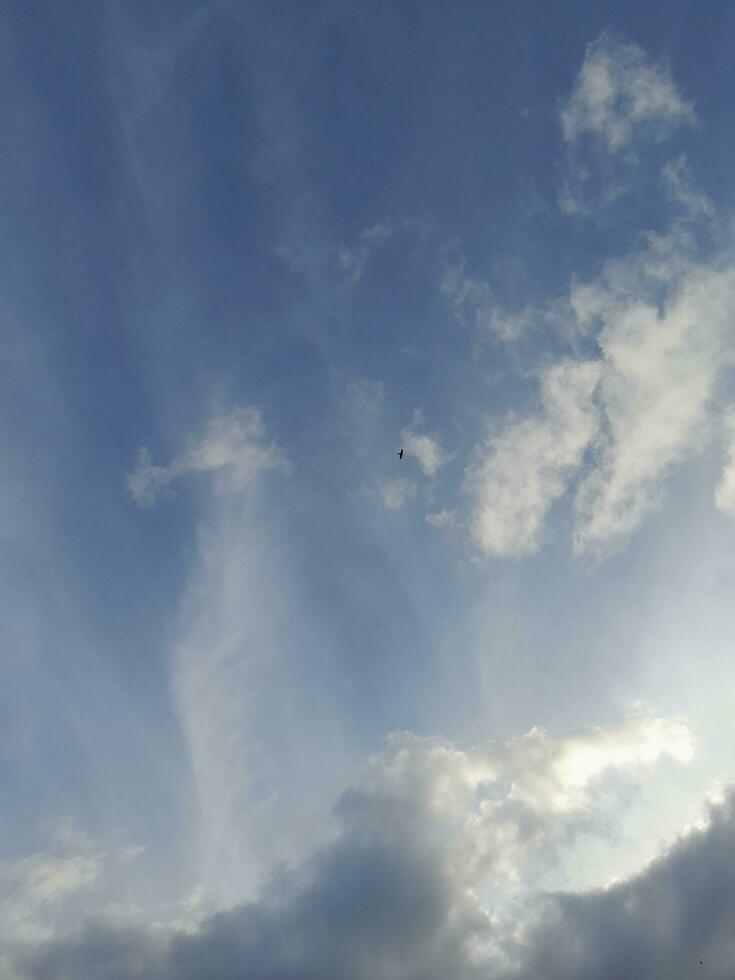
<point x="400" y="455"/>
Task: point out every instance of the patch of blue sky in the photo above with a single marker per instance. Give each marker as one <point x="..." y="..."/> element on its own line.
<point x="272" y="243"/>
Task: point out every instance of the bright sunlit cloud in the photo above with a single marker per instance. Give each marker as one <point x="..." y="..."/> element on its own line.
<point x="337" y="712"/>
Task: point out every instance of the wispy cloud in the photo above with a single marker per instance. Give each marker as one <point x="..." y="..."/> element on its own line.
<point x="426" y="448"/>
<point x="725" y="489"/>
<point x="621" y="100"/>
<point x="396" y="493"/>
<point x="353" y="259"/>
<point x="441" y="519"/>
<point x="232" y="449"/>
<point x="471" y="299"/>
<point x="682" y="191"/>
<point x="621" y="93"/>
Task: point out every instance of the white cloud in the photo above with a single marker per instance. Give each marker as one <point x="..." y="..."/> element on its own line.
<point x="395" y="493"/>
<point x="503" y="804"/>
<point x="621" y="93"/>
<point x="662" y="320"/>
<point x="146" y="482"/>
<point x="664" y="338"/>
<point x="622" y="99"/>
<point x="472" y="301"/>
<point x="725" y="489"/>
<point x="519" y="474"/>
<point x="442" y="519"/>
<point x="39" y="891"/>
<point x="427" y="449"/>
<point x="352" y="261"/>
<point x="678" y="184"/>
<point x="393" y="891"/>
<point x="555" y="775"/>
<point x="232" y="449"/>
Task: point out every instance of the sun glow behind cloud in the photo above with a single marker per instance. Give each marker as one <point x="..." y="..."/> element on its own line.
<point x="396" y="691"/>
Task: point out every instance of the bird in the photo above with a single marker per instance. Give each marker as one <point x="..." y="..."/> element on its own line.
<point x="400" y="455"/>
<point x="701" y="963"/>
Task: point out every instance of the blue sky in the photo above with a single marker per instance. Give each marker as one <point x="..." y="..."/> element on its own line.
<point x="270" y="694"/>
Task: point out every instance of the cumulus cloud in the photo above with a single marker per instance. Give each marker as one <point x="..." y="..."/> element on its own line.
<point x="44" y="893"/>
<point x="393" y="892"/>
<point x="38" y="883"/>
<point x="427" y="449"/>
<point x="621" y="92"/>
<point x="665" y="322"/>
<point x="661" y="318"/>
<point x="519" y="473"/>
<point x="396" y="493"/>
<point x="658" y="924"/>
<point x="472" y="302"/>
<point x="725" y="489"/>
<point x="232" y="449"/>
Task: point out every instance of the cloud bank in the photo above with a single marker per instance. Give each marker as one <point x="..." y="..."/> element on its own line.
<point x="393" y="893"/>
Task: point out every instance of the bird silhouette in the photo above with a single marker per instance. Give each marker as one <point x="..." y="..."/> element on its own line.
<point x="400" y="455"/>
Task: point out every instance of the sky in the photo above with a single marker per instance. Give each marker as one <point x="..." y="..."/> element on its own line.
<point x="276" y="703"/>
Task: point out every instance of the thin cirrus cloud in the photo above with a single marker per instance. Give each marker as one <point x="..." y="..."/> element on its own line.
<point x="396" y="493"/>
<point x="471" y="300"/>
<point x="441" y="519"/>
<point x="725" y="489"/>
<point x="232" y="449"/>
<point x="353" y="259"/>
<point x="308" y="625"/>
<point x="420" y="827"/>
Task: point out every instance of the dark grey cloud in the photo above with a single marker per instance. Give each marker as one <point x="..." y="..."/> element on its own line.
<point x="102" y="951"/>
<point x="377" y="903"/>
<point x="659" y="924"/>
<point x="387" y="897"/>
<point x="372" y="904"/>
